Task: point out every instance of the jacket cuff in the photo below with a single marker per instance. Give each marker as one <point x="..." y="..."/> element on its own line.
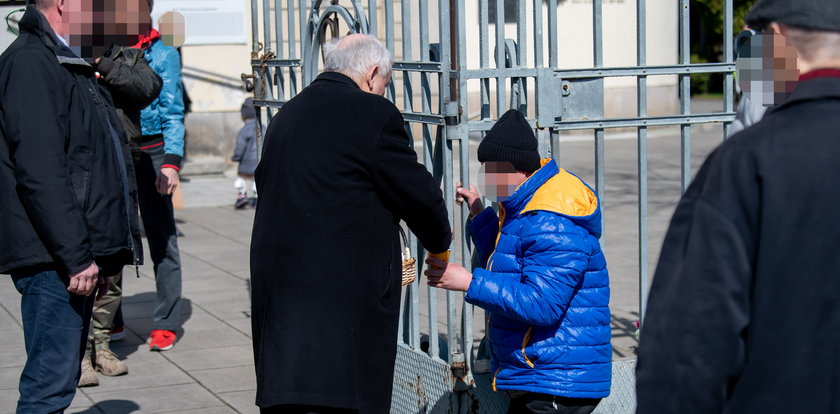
<point x="172" y="161"/>
<point x="73" y="268"/>
<point x="484" y="219"/>
<point x="105" y="66"/>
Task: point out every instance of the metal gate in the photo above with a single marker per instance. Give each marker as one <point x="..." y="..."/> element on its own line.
<point x="434" y="84"/>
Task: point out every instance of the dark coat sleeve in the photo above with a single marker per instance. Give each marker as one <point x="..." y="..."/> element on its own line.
<point x="34" y="121"/>
<point x="692" y="347"/>
<point x="407" y="188"/>
<point x="130" y="78"/>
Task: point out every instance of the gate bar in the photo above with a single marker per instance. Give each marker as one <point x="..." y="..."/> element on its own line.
<point x="641" y="89"/>
<point x="685" y="95"/>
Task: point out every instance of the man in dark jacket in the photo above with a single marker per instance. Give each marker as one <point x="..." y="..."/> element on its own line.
<point x="325" y="260"/>
<point x="133" y="84"/>
<point x="66" y="215"/>
<point x="743" y="314"/>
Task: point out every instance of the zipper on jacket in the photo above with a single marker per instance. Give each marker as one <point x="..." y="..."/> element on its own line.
<point x="495" y="374"/>
<point x="525" y="340"/>
<point x="123" y="174"/>
<point x="498" y="237"/>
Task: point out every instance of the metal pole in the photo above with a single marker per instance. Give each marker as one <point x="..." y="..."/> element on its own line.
<point x="641" y="88"/>
<point x="728" y="56"/>
<point x="685" y="96"/>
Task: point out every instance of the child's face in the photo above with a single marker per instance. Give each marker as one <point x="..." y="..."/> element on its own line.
<point x="498" y="180"/>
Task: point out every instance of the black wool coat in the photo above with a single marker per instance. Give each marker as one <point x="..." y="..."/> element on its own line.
<point x="744" y="310"/>
<point x="336" y="176"/>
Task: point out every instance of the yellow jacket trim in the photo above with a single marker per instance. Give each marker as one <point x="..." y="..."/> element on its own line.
<point x="525" y="340"/>
<point x="564" y="194"/>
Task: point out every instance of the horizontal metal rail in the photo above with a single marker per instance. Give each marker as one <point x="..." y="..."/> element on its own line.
<point x="276" y="63"/>
<point x="493" y="73"/>
<point x="667" y="120"/>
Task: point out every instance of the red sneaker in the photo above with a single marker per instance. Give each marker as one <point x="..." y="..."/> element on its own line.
<point x="161" y="340"/>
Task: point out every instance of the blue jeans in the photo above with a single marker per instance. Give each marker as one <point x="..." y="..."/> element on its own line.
<point x="55" y="324"/>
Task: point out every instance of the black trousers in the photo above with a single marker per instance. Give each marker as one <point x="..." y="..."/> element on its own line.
<point x="305" y="409"/>
<point x="522" y="402"/>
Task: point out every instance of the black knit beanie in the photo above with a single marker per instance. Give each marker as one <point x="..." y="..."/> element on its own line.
<point x="511" y="140"/>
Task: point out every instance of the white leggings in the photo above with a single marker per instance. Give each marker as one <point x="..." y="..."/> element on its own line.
<point x="242" y="185"/>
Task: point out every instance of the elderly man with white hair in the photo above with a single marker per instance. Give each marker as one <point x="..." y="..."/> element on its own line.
<point x="336" y="177"/>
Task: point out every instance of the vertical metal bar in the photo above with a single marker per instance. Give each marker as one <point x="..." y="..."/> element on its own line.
<point x="290" y="12"/>
<point x="552" y="33"/>
<point x="728" y="55"/>
<point x="278" y="32"/>
<point x="554" y="140"/>
<point x="389" y="41"/>
<point x="538" y="34"/>
<point x="464" y="152"/>
<point x="641" y="89"/>
<point x="598" y="61"/>
<point x="267" y="25"/>
<point x="304" y="42"/>
<point x="521" y="34"/>
<point x="500" y="58"/>
<point x="484" y="54"/>
<point x="255" y="27"/>
<point x="446" y="153"/>
<point x="685" y="95"/>
<point x="373" y="28"/>
<point x="408" y="98"/>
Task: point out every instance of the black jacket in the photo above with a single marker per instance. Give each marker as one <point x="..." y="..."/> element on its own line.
<point x="336" y="176"/>
<point x="65" y="167"/>
<point x="132" y="83"/>
<point x="744" y="310"/>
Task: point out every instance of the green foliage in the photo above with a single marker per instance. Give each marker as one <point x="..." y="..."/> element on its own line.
<point x="707" y="38"/>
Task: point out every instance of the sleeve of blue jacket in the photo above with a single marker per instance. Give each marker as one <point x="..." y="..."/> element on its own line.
<point x="172" y="108"/>
<point x="553" y="264"/>
<point x="483" y="230"/>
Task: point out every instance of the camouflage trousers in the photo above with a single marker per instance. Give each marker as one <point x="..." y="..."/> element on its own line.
<point x="104" y="311"/>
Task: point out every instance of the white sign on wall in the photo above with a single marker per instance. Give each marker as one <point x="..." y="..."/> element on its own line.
<point x="208" y="22"/>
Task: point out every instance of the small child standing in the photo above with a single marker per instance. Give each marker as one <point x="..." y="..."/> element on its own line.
<point x="245" y="153"/>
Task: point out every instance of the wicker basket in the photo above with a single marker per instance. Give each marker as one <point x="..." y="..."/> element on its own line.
<point x="409" y="265"/>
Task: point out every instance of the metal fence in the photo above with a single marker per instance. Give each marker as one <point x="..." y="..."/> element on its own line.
<point x="434" y="86"/>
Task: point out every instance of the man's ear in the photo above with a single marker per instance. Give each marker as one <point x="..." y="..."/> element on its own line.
<point x="776" y="28"/>
<point x="371" y="77"/>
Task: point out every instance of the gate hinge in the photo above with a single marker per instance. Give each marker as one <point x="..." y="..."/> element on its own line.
<point x="460" y="373"/>
<point x="452" y="114"/>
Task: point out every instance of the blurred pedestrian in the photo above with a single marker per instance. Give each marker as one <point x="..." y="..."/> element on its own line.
<point x="133" y="84"/>
<point x="245" y="153"/>
<point x="543" y="277"/>
<point x="743" y="313"/>
<point x="66" y="217"/>
<point x="325" y="256"/>
<point x="158" y="162"/>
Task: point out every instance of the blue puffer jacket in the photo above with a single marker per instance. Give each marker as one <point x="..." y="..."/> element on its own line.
<point x="546" y="288"/>
<point x="165" y="115"/>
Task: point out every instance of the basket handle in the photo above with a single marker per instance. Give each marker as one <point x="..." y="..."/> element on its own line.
<point x="406" y="253"/>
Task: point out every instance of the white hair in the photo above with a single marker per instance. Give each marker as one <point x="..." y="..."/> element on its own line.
<point x="814" y="45"/>
<point x="355" y="54"/>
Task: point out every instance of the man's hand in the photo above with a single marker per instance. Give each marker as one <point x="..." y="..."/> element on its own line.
<point x="472" y="198"/>
<point x="167" y="181"/>
<point x="103" y="285"/>
<point x="83" y="283"/>
<point x="446" y="275"/>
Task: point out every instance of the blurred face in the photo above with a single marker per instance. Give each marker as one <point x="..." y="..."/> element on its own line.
<point x="172" y="32"/>
<point x="92" y="26"/>
<point x="499" y="180"/>
<point x="767" y="68"/>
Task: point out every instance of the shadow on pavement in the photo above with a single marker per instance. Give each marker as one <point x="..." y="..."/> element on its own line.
<point x="112" y="406"/>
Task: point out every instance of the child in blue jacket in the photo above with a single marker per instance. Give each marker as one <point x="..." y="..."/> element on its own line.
<point x="543" y="278"/>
